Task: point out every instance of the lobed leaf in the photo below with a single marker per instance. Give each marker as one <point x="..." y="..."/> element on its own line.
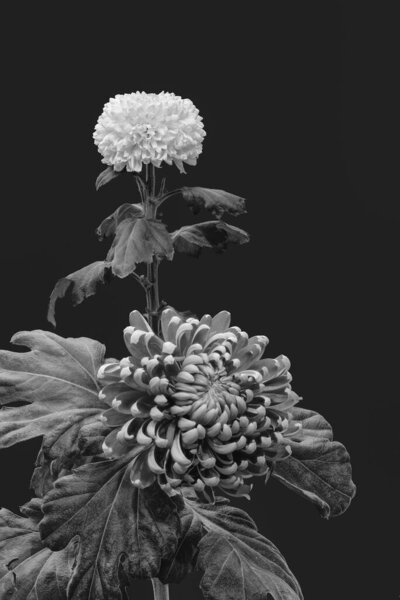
<point x="238" y="563"/>
<point x="29" y="570"/>
<point x="217" y="202"/>
<point x="119" y="527"/>
<point x="82" y="284"/>
<point x="319" y="469"/>
<point x="190" y="239"/>
<point x="56" y="382"/>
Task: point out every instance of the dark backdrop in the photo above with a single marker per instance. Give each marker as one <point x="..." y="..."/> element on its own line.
<point x="297" y="100"/>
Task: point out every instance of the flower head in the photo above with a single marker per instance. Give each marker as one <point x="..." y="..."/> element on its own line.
<point x="139" y="128"/>
<point x="199" y="405"/>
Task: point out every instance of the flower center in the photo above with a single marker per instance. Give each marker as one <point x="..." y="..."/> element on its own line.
<point x="212" y="397"/>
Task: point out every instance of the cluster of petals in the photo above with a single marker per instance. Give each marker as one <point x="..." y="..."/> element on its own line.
<point x="140" y="128"/>
<point x="198" y="406"/>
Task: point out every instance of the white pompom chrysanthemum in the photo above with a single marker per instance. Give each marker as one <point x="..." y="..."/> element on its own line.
<point x="140" y="128"/>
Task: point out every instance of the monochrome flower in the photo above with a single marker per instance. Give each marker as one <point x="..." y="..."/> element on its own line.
<point x="200" y="404"/>
<point x="140" y="128"/>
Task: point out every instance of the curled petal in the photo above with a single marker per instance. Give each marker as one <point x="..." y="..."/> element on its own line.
<point x="141" y="474"/>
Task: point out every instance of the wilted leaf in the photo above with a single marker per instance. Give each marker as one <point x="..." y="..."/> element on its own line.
<point x="237" y="561"/>
<point x="318" y="469"/>
<point x="115" y="522"/>
<point x="29" y="570"/>
<point x="190" y="239"/>
<point x="125" y="211"/>
<point x="105" y="176"/>
<point x="217" y="202"/>
<point x="138" y="240"/>
<point x="57" y="382"/>
<point x="82" y="284"/>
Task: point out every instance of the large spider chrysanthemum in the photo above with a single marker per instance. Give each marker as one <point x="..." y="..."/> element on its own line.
<point x="201" y="404"/>
<point x="139" y="128"/>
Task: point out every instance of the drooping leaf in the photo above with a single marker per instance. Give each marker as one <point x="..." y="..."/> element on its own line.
<point x="217" y="202"/>
<point x="105" y="176"/>
<point x="136" y="241"/>
<point x="190" y="239"/>
<point x="125" y="211"/>
<point x="119" y="526"/>
<point x="237" y="561"/>
<point x="82" y="284"/>
<point x="56" y="381"/>
<point x="29" y="570"/>
<point x="319" y="469"/>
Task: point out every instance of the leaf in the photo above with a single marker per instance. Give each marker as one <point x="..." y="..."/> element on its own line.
<point x="190" y="239"/>
<point x="56" y="380"/>
<point x="81" y="445"/>
<point x="125" y="211"/>
<point x="28" y="570"/>
<point x="105" y="176"/>
<point x="45" y="473"/>
<point x="217" y="202"/>
<point x="82" y="283"/>
<point x="237" y="561"/>
<point x="115" y="522"/>
<point x="319" y="469"/>
<point x="138" y="240"/>
<point x="183" y="560"/>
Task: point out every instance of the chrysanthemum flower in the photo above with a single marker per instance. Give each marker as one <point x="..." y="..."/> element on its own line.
<point x="202" y="405"/>
<point x="139" y="128"/>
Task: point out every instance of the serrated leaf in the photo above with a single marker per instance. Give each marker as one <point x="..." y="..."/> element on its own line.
<point x="105" y="176"/>
<point x="82" y="284"/>
<point x="217" y="202"/>
<point x="56" y="381"/>
<point x="237" y="561"/>
<point x="115" y="522"/>
<point x="125" y="211"/>
<point x="190" y="239"/>
<point x="29" y="570"/>
<point x="136" y="241"/>
<point x="319" y="469"/>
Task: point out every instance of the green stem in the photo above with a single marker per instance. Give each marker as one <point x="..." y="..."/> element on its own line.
<point x="160" y="590"/>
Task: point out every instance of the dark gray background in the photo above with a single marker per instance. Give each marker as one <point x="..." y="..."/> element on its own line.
<point x="298" y="107"/>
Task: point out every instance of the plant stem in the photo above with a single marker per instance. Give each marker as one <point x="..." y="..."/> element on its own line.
<point x="160" y="590"/>
<point x="152" y="293"/>
<point x="165" y="197"/>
